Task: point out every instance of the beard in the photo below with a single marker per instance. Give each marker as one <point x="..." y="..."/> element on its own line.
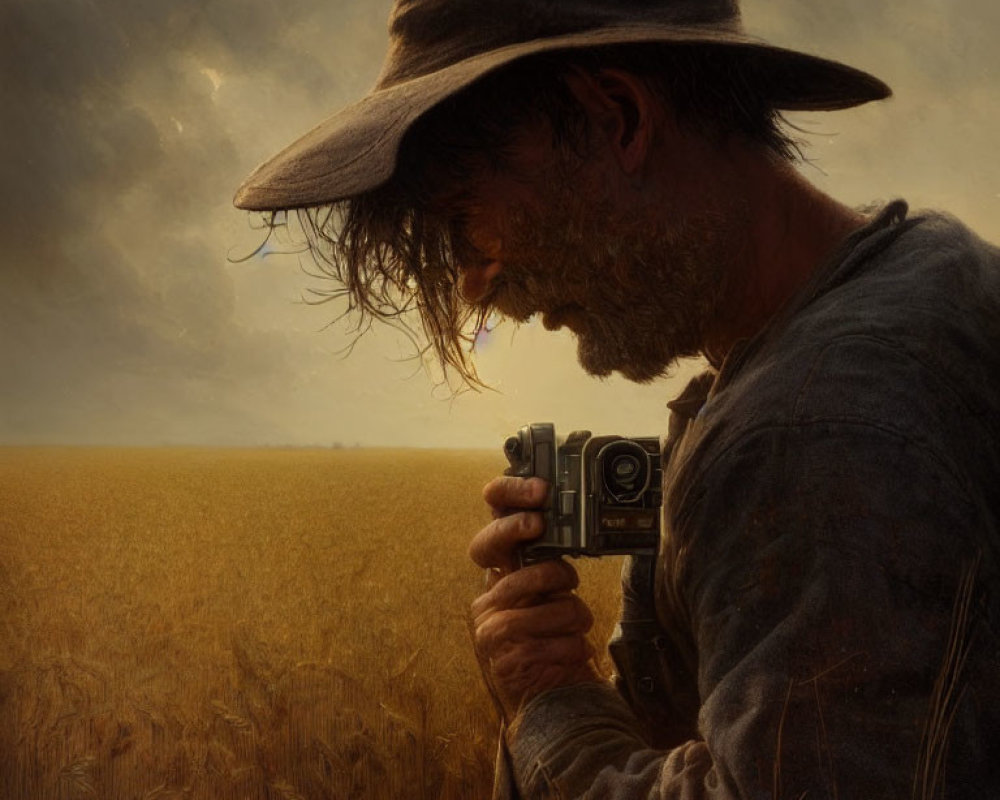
<point x="637" y="294"/>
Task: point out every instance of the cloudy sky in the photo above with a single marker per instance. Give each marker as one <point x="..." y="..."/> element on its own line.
<point x="127" y="125"/>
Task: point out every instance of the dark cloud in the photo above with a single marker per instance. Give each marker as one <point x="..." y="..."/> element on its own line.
<point x="119" y="165"/>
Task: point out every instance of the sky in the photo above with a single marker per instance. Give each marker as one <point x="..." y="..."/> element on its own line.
<point x="127" y="318"/>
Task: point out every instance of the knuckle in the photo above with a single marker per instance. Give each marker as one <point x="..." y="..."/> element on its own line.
<point x="531" y="523"/>
<point x="486" y="636"/>
<point x="481" y="641"/>
<point x="519" y="590"/>
<point x="511" y="486"/>
<point x="500" y="627"/>
<point x="533" y="489"/>
<point x="480" y="605"/>
<point x="495" y="529"/>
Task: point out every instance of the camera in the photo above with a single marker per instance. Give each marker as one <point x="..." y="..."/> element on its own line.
<point x="605" y="492"/>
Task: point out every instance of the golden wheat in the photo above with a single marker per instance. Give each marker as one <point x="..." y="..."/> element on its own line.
<point x="217" y="624"/>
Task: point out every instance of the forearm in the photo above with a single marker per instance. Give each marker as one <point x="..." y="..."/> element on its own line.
<point x="584" y="742"/>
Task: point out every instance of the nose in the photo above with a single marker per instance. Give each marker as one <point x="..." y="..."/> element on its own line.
<point x="475" y="280"/>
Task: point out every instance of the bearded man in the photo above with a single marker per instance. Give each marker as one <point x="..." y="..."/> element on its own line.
<point x="821" y="618"/>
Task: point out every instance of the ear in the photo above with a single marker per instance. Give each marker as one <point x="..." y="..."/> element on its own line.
<point x="620" y="106"/>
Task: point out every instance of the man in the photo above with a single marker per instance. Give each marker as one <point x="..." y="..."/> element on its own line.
<point x="821" y="619"/>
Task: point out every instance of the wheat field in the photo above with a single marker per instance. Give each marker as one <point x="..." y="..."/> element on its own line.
<point x="253" y="624"/>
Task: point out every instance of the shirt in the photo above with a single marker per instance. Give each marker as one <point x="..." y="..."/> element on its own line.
<point x="821" y="619"/>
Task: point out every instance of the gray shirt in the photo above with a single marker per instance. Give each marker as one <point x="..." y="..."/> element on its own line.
<point x="822" y="617"/>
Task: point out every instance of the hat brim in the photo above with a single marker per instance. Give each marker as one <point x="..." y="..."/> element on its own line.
<point x="355" y="150"/>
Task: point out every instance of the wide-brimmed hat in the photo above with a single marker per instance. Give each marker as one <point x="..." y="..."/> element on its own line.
<point x="439" y="47"/>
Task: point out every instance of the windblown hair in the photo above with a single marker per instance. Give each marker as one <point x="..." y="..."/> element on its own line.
<point x="390" y="256"/>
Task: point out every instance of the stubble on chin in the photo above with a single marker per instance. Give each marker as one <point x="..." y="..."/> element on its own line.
<point x="644" y="294"/>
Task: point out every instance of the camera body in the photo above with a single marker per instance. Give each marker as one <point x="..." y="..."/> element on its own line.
<point x="605" y="492"/>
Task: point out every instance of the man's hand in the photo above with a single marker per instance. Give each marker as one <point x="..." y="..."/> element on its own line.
<point x="530" y="627"/>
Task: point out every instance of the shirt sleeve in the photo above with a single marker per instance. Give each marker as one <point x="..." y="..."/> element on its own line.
<point x="821" y="570"/>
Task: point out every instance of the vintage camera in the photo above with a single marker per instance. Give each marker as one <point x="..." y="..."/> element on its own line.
<point x="605" y="492"/>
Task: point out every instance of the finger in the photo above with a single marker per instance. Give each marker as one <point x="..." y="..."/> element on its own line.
<point x="528" y="586"/>
<point x="509" y="492"/>
<point x="494" y="545"/>
<point x="498" y="631"/>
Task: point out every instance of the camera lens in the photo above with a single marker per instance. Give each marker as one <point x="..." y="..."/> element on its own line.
<point x="624" y="468"/>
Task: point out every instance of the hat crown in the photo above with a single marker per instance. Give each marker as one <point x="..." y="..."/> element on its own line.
<point x="429" y="35"/>
<point x="440" y="47"/>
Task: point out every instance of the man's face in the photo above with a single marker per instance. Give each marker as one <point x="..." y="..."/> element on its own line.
<point x="552" y="235"/>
